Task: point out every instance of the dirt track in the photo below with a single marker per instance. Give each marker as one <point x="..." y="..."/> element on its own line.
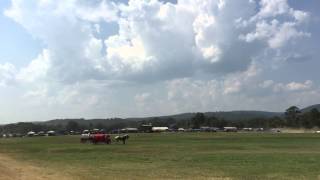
<point x="11" y="169"/>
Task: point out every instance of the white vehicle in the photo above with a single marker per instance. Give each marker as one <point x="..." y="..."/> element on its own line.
<point x="230" y="129"/>
<point x="247" y="129"/>
<point x="31" y="133"/>
<point x="85" y="132"/>
<point x="51" y="133"/>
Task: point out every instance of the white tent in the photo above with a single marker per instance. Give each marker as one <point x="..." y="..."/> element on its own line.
<point x="160" y="129"/>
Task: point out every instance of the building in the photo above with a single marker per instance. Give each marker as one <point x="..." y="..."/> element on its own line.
<point x="146" y="128"/>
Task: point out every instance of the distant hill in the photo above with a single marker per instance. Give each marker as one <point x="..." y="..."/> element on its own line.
<point x="243" y="115"/>
<point x="88" y="122"/>
<point x="307" y="109"/>
<point x="226" y="115"/>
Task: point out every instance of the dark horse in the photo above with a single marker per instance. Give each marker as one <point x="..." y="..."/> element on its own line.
<point x="122" y="138"/>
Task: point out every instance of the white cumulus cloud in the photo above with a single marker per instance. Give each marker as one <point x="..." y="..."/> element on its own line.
<point x="191" y="55"/>
<point x="7" y="74"/>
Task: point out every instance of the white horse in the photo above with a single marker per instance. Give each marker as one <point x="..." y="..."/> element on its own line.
<point x="122" y="138"/>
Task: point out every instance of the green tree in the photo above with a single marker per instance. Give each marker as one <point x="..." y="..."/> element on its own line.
<point x="292" y="116"/>
<point x="72" y="126"/>
<point x="198" y="120"/>
<point x="315" y="117"/>
<point x="100" y="126"/>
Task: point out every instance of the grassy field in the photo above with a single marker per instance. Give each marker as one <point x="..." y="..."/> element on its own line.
<point x="176" y="155"/>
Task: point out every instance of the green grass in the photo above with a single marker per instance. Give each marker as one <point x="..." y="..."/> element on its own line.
<point x="176" y="155"/>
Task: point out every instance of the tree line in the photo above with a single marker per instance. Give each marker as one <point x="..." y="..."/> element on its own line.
<point x="292" y="117"/>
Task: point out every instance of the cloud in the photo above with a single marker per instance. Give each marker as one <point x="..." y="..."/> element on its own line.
<point x="67" y="33"/>
<point x="97" y="12"/>
<point x="186" y="95"/>
<point x="294" y="86"/>
<point x="276" y="34"/>
<point x="143" y="102"/>
<point x="7" y="74"/>
<point x="156" y="41"/>
<point x="275" y="23"/>
<point x="172" y="57"/>
<point x="272" y="8"/>
<point x="36" y="70"/>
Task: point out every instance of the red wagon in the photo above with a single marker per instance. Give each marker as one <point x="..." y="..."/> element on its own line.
<point x="100" y="138"/>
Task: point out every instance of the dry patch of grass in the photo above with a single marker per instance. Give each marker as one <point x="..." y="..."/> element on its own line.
<point x="18" y="170"/>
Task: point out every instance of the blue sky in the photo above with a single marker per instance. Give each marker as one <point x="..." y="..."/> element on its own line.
<point x="17" y="45"/>
<point x="142" y="58"/>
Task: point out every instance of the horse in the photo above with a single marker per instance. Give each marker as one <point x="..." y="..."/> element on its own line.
<point x="122" y="138"/>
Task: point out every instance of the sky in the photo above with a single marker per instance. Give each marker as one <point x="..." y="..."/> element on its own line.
<point x="137" y="58"/>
